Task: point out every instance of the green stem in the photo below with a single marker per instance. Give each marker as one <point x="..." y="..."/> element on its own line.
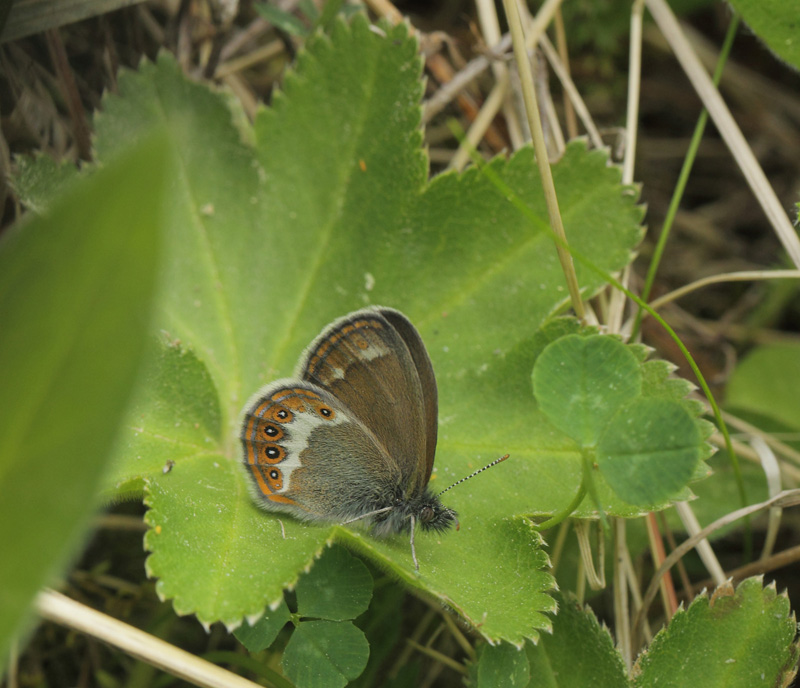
<point x="559" y="516"/>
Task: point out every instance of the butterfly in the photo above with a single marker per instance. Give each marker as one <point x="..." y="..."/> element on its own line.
<point x="352" y="436"/>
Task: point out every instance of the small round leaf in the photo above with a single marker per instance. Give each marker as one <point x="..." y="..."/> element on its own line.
<point x="581" y="382"/>
<point x="325" y="654"/>
<point x="337" y="588"/>
<point x="649" y="451"/>
<point x="263" y="632"/>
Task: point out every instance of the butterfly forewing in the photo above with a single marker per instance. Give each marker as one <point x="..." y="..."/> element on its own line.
<point x="379" y="350"/>
<point x="427" y="379"/>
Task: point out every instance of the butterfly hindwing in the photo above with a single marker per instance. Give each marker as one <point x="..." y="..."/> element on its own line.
<point x="308" y="456"/>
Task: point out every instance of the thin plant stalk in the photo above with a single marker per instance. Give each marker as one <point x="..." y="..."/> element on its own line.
<point x="727" y="127"/>
<point x="535" y="123"/>
<point x="683" y="177"/>
<point x="621" y="604"/>
<point x="744" y="275"/>
<point x="634" y="89"/>
<point x="67" y="612"/>
<point x="563" y="54"/>
<point x="573" y="97"/>
<point x="481" y="123"/>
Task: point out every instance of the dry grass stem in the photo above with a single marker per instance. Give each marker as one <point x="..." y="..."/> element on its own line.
<point x="772" y="471"/>
<point x="727" y="127"/>
<point x="572" y="93"/>
<point x="62" y="610"/>
<point x="545" y="173"/>
<point x="703" y="547"/>
<point x="744" y="276"/>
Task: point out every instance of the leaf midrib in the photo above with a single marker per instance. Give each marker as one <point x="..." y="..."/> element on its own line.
<point x="326" y="232"/>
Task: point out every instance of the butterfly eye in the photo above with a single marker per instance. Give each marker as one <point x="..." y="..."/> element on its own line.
<point x="426" y="514"/>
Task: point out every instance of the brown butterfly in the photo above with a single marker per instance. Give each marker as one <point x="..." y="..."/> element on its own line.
<point x="353" y="435"/>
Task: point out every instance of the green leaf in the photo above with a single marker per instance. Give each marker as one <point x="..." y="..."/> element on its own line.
<point x="579" y="652"/>
<point x="177" y="415"/>
<point x="267" y="244"/>
<point x="261" y="634"/>
<point x="383" y="624"/>
<point x="476" y="558"/>
<point x="329" y="12"/>
<point x="337" y="588"/>
<point x="207" y="547"/>
<point x="75" y="297"/>
<point x="734" y="638"/>
<point x="39" y="179"/>
<point x="649" y="451"/>
<point x="285" y="21"/>
<point x="766" y="383"/>
<point x="309" y="9"/>
<point x="774" y="22"/>
<point x="622" y="413"/>
<point x="325" y="654"/>
<point x="581" y="382"/>
<point x="502" y="666"/>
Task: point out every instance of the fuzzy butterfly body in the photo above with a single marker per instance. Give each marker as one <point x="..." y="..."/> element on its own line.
<point x="353" y="435"/>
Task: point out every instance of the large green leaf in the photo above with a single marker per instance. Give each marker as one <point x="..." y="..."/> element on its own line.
<point x="774" y="22"/>
<point x="579" y="652"/>
<point x="735" y="638"/>
<point x="330" y="210"/>
<point x="765" y="383"/>
<point x="75" y="294"/>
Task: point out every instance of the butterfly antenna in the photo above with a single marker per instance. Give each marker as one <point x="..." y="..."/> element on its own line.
<point x="472" y="475"/>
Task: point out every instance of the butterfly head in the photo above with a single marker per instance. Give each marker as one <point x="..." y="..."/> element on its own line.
<point x="424" y="509"/>
<point x="433" y="515"/>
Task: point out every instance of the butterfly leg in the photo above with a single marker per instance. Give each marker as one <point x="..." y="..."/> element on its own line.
<point x="414" y="549"/>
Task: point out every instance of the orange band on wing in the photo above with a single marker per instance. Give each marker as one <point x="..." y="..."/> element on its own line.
<point x="326" y="351"/>
<point x="263" y="487"/>
<point x="280" y="499"/>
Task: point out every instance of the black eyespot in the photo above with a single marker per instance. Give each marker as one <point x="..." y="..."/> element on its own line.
<point x="271" y="431"/>
<point x="274" y="474"/>
<point x="325" y="411"/>
<point x="272" y="452"/>
<point x="283" y="414"/>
